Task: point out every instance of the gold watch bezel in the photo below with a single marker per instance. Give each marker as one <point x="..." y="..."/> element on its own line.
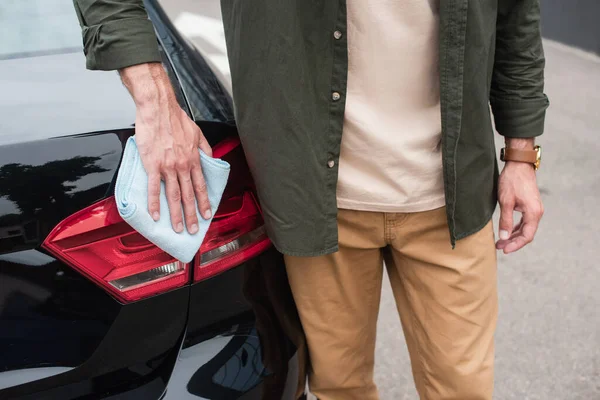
<point x="538" y="159"/>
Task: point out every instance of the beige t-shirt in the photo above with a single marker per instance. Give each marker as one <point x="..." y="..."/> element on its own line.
<point x="391" y="157"/>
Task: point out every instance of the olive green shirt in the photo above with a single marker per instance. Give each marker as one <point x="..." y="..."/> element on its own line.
<point x="289" y="65"/>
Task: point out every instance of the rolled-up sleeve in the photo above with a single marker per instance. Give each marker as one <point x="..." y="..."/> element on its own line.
<point x="116" y="33"/>
<point x="517" y="92"/>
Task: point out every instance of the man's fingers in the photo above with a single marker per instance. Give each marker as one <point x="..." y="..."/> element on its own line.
<point x="524" y="238"/>
<point x="203" y="144"/>
<point x="516" y="231"/>
<point x="188" y="201"/>
<point x="174" y="199"/>
<point x="200" y="191"/>
<point x="198" y="178"/>
<point x="531" y="221"/>
<point x="154" y="195"/>
<point x="506" y="219"/>
<point x="516" y="244"/>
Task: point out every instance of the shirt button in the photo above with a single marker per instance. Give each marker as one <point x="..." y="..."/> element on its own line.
<point x="335" y="96"/>
<point x="337" y="35"/>
<point x="330" y="163"/>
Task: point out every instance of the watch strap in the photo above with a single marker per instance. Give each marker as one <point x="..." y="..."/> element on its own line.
<point x="526" y="156"/>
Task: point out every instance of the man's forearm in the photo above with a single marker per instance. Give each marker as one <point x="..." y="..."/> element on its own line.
<point x="147" y="83"/>
<point x="520" y="143"/>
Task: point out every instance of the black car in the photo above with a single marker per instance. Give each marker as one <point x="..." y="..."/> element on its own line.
<point x="89" y="309"/>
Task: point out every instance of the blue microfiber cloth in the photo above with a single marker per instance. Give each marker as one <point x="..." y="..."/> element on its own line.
<point x="131" y="195"/>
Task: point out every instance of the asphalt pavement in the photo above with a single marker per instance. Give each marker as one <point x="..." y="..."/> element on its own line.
<point x="548" y="338"/>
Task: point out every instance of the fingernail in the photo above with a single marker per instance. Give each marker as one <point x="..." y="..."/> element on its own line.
<point x="194" y="229"/>
<point x="504" y="235"/>
<point x="179" y="227"/>
<point x="156" y="216"/>
<point x="207" y="214"/>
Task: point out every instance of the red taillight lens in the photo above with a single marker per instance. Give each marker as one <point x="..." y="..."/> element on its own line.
<point x="99" y="244"/>
<point x="237" y="232"/>
<point x="238" y="235"/>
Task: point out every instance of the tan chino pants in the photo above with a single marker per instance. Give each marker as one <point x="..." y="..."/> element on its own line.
<point x="447" y="301"/>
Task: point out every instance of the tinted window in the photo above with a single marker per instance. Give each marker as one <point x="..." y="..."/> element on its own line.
<point x="37" y="27"/>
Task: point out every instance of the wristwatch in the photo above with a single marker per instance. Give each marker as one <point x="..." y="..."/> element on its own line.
<point x="533" y="157"/>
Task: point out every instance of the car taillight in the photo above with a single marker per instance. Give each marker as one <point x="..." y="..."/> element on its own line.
<point x="237" y="232"/>
<point x="233" y="238"/>
<point x="99" y="244"/>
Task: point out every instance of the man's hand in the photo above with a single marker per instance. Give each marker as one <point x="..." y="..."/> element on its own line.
<point x="518" y="191"/>
<point x="168" y="143"/>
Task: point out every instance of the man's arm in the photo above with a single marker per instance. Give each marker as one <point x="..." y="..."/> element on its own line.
<point x="519" y="107"/>
<point x="117" y="35"/>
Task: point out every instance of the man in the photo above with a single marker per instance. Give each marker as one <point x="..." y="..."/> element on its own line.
<point x="366" y="125"/>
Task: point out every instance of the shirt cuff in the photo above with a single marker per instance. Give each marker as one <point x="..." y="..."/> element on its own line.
<point x="520" y="118"/>
<point x="121" y="43"/>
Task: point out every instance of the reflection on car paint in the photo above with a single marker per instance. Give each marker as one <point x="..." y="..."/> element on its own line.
<point x="244" y="369"/>
<point x="18" y="377"/>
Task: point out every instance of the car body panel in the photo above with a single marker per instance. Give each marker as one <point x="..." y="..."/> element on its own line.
<point x="43" y="97"/>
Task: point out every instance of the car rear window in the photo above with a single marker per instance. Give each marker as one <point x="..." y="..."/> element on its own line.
<point x="37" y="27"/>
